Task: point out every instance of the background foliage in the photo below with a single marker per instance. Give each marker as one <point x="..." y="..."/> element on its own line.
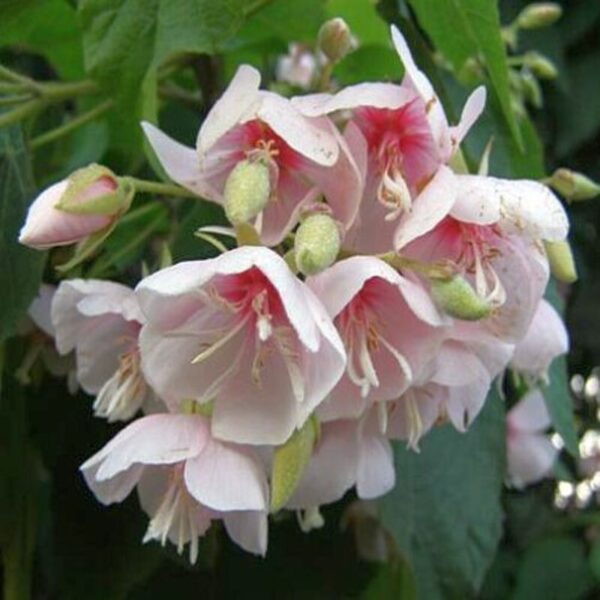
<point x="452" y="531"/>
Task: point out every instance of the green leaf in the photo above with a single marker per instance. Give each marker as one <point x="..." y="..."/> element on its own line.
<point x="554" y="569"/>
<point x="393" y="580"/>
<point x="470" y="28"/>
<point x="557" y="394"/>
<point x="20" y="267"/>
<point x="445" y="512"/>
<point x="49" y="28"/>
<point x="125" y="41"/>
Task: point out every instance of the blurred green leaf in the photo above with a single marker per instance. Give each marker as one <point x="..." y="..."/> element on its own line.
<point x="393" y="580"/>
<point x="470" y="28"/>
<point x="49" y="28"/>
<point x="554" y="569"/>
<point x="444" y="511"/>
<point x="20" y="267"/>
<point x="125" y="41"/>
<point x="557" y="394"/>
<point x="363" y="19"/>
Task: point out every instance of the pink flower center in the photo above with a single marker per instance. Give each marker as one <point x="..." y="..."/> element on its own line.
<point x="401" y="150"/>
<point x="361" y="329"/>
<point x="475" y="248"/>
<point x="259" y="319"/>
<point x="259" y="140"/>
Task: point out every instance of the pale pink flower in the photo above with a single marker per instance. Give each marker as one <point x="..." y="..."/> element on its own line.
<point x="47" y="226"/>
<point x="101" y="321"/>
<point x="298" y="67"/>
<point x="305" y="156"/>
<point x="400" y="138"/>
<point x="530" y="452"/>
<point x="240" y="330"/>
<point x="546" y="339"/>
<point x="348" y="453"/>
<point x="453" y="387"/>
<point x="60" y="366"/>
<point x="493" y="238"/>
<point x="388" y="325"/>
<point x="185" y="479"/>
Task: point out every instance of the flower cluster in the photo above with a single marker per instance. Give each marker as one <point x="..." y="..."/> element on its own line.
<point x="375" y="294"/>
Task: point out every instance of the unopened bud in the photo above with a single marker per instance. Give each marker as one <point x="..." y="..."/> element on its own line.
<point x="562" y="263"/>
<point x="539" y="14"/>
<point x="335" y="40"/>
<point x="540" y="65"/>
<point x="531" y="88"/>
<point x="317" y="244"/>
<point x="456" y="297"/>
<point x="247" y="191"/>
<point x="94" y="190"/>
<point x="289" y="462"/>
<point x="573" y="186"/>
<point x="87" y="202"/>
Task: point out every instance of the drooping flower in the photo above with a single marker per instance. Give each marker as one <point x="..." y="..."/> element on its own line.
<point x="493" y="238"/>
<point x="388" y="325"/>
<point x="101" y="321"/>
<point x="400" y="138"/>
<point x="350" y="452"/>
<point x="453" y="387"/>
<point x="305" y="157"/>
<point x="242" y="331"/>
<point x="185" y="479"/>
<point x="530" y="452"/>
<point x="69" y="211"/>
<point x="545" y="339"/>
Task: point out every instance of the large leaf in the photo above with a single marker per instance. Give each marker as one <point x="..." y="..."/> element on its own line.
<point x="27" y="25"/>
<point x="126" y="40"/>
<point x="445" y="512"/>
<point x="461" y="29"/>
<point x="20" y="267"/>
<point x="554" y="568"/>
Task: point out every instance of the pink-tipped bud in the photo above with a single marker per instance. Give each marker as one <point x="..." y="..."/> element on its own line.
<point x="74" y="208"/>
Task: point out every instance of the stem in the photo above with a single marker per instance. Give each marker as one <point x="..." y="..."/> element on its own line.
<point x="433" y="270"/>
<point x="54" y="134"/>
<point x="173" y="92"/>
<point x="160" y="189"/>
<point x="13" y="88"/>
<point x="62" y="91"/>
<point x="20" y="112"/>
<point x="17" y="99"/>
<point x="10" y="75"/>
<point x="325" y="77"/>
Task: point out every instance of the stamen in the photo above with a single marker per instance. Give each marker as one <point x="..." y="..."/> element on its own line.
<point x="415" y="424"/>
<point x="177" y="511"/>
<point x="124" y="393"/>
<point x="212" y="348"/>
<point x="393" y="192"/>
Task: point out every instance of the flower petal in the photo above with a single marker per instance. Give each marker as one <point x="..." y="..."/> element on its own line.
<point x="248" y="529"/>
<point x="224" y="477"/>
<point x="153" y="440"/>
<point x="236" y="103"/>
<point x="530" y="458"/>
<point x="529" y="414"/>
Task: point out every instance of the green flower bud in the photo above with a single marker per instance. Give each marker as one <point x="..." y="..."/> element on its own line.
<point x="539" y="14"/>
<point x="540" y="65"/>
<point x="289" y="462"/>
<point x="562" y="263"/>
<point x="531" y="88"/>
<point x="247" y="191"/>
<point x="457" y="298"/>
<point x="317" y="244"/>
<point x="335" y="40"/>
<point x="95" y="190"/>
<point x="574" y="186"/>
